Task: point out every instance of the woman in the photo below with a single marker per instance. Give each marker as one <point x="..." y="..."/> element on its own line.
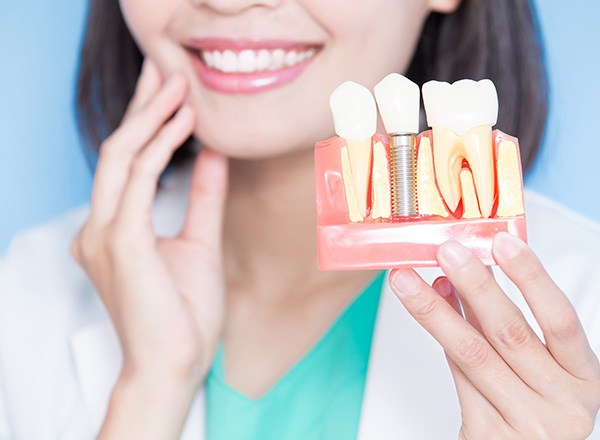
<point x="211" y="317"/>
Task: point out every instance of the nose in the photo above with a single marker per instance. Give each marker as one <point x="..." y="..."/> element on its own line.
<point x="233" y="7"/>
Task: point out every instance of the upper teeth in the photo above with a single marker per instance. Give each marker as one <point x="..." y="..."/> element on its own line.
<point x="248" y="61"/>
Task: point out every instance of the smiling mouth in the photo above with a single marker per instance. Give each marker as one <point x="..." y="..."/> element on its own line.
<point x="249" y="65"/>
<point x="251" y="61"/>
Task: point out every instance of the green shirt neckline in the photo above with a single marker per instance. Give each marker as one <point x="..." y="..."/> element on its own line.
<point x="306" y="398"/>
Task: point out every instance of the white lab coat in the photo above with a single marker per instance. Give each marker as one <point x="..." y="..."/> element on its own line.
<point x="59" y="354"/>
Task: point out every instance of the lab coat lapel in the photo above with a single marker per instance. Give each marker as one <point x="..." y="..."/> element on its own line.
<point x="409" y="392"/>
<point x="98" y="359"/>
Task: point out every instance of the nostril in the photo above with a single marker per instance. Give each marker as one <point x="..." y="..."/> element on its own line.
<point x="234" y="7"/>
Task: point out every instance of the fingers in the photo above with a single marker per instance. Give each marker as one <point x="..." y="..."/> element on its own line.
<point x="475" y="408"/>
<point x="468" y="311"/>
<point x="482" y="365"/>
<point x="150" y="109"/>
<point x="119" y="151"/>
<point x="446" y="290"/>
<point x="148" y="84"/>
<point x="471" y="317"/>
<point x="143" y="124"/>
<point x="502" y="322"/>
<point x="563" y="332"/>
<point x="134" y="213"/>
<point x="208" y="191"/>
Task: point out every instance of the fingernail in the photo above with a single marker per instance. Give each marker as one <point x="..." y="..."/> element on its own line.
<point x="406" y="282"/>
<point x="444" y="287"/>
<point x="507" y="246"/>
<point x="454" y="254"/>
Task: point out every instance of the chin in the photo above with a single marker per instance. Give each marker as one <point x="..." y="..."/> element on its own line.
<point x="256" y="140"/>
<point x="239" y="144"/>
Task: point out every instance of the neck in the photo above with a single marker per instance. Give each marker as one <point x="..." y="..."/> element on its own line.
<point x="270" y="221"/>
<point x="270" y="232"/>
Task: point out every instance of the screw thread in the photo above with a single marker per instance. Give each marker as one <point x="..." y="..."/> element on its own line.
<point x="403" y="170"/>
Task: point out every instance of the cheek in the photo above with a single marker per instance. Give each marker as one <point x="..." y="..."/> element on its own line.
<point x="370" y="38"/>
<point x="146" y="20"/>
<point x="362" y="17"/>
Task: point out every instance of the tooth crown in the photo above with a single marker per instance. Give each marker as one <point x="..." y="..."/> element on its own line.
<point x="354" y="111"/>
<point x="462" y="105"/>
<point x="398" y="99"/>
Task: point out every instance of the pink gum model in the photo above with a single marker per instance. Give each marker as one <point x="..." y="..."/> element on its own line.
<point x="395" y="243"/>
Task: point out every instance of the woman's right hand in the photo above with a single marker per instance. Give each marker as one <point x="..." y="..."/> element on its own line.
<point x="165" y="295"/>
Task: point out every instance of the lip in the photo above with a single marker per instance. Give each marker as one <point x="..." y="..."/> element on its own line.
<point x="246" y="82"/>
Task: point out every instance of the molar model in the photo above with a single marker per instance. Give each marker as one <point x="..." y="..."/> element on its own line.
<point x="461" y="116"/>
<point x="387" y="201"/>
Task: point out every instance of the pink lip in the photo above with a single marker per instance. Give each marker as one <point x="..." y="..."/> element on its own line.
<point x="239" y="44"/>
<point x="245" y="82"/>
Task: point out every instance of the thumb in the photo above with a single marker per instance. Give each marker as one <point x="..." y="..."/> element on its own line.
<point x="206" y="205"/>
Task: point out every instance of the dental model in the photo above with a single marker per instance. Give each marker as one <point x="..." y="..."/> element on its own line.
<point x="399" y="101"/>
<point x="461" y="116"/>
<point x="394" y="204"/>
<point x="510" y="194"/>
<point x="355" y="119"/>
<point x="428" y="195"/>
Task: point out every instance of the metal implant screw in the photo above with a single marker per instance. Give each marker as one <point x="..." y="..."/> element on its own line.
<point x="403" y="170"/>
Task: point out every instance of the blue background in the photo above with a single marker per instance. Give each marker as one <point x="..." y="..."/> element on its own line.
<point x="43" y="171"/>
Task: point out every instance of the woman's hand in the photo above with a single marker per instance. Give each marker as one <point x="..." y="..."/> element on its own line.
<point x="164" y="295"/>
<point x="510" y="385"/>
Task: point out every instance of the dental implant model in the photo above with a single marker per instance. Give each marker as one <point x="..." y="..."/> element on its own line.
<point x="391" y="201"/>
<point x="398" y="100"/>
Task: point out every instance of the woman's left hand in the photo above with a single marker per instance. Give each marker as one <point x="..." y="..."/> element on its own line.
<point x="510" y="384"/>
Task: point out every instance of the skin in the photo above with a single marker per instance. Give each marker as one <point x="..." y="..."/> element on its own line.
<point x="235" y="276"/>
<point x="261" y="125"/>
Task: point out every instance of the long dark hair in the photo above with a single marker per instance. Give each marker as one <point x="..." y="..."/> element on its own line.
<point x="497" y="39"/>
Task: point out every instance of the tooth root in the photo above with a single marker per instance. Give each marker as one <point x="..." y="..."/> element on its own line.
<point x="359" y="152"/>
<point x="430" y="201"/>
<point x="480" y="155"/>
<point x="470" y="206"/>
<point x="382" y="203"/>
<point x="447" y="157"/>
<point x="510" y="188"/>
<point x="351" y="201"/>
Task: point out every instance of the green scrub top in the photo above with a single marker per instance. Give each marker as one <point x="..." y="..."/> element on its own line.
<point x="320" y="397"/>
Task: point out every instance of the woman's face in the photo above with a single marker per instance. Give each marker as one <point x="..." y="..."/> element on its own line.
<point x="274" y="62"/>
